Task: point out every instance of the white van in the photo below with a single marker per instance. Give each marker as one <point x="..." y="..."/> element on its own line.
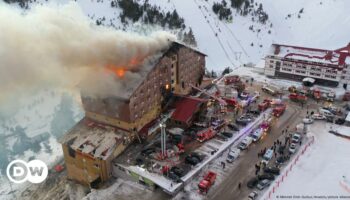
<point x="267" y="156"/>
<point x="233" y="155"/>
<point x="326" y="113"/>
<point x="245" y="143"/>
<point x="257" y="134"/>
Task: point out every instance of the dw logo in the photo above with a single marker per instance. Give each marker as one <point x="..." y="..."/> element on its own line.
<point x="19" y="171"/>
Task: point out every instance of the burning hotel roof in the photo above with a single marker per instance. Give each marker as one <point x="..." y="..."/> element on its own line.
<point x="93" y="139"/>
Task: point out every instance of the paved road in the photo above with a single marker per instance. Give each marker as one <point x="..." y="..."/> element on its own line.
<point x="228" y="189"/>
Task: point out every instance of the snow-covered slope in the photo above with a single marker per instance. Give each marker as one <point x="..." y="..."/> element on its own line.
<point x="322" y="24"/>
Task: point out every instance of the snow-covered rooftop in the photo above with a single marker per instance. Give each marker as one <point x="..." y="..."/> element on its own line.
<point x="329" y="57"/>
<point x="99" y="142"/>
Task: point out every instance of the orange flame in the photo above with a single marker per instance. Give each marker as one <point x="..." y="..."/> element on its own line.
<point x="118" y="71"/>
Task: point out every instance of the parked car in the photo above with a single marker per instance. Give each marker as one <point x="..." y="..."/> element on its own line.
<point x="272" y="170"/>
<point x="254" y="111"/>
<point x="233" y="127"/>
<point x="192" y="160"/>
<point x="326" y="112"/>
<point x="280" y="160"/>
<point x="227" y="134"/>
<point x="281" y="149"/>
<point x="197" y="155"/>
<point x="221" y="137"/>
<point x="318" y="116"/>
<point x="308" y="121"/>
<point x="233" y="155"/>
<point x="339" y="121"/>
<point x="174" y="177"/>
<point x="252" y="182"/>
<point x="246" y="142"/>
<point x="178" y="171"/>
<point x="263" y="184"/>
<point x="244" y="120"/>
<point x="267" y="156"/>
<point x="267" y="176"/>
<point x="330" y="119"/>
<point x="148" y="151"/>
<point x="292" y="148"/>
<point x="257" y="134"/>
<point x="253" y="195"/>
<point x="296" y="138"/>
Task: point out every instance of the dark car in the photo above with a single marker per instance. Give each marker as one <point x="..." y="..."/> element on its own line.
<point x="329" y="119"/>
<point x="252" y="182"/>
<point x="197" y="155"/>
<point x="173" y="176"/>
<point x="272" y="170"/>
<point x="340" y="121"/>
<point x="281" y="149"/>
<point x="280" y="160"/>
<point x="178" y="171"/>
<point x="148" y="151"/>
<point x="192" y="160"/>
<point x="233" y="127"/>
<point x="244" y="120"/>
<point x="254" y="112"/>
<point x="221" y="137"/>
<point x="267" y="176"/>
<point x="139" y="161"/>
<point x="227" y="134"/>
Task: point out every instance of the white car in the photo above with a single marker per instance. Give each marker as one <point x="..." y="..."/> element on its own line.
<point x="233" y="155"/>
<point x="292" y="148"/>
<point x="296" y="138"/>
<point x="308" y="121"/>
<point x="253" y="195"/>
<point x="318" y="116"/>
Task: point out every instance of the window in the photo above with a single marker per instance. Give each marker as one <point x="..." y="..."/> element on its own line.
<point x="271" y="66"/>
<point x="278" y="64"/>
<point x="315" y="74"/>
<point x="271" y="61"/>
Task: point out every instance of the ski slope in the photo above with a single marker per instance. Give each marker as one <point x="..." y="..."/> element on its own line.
<point x="322" y="24"/>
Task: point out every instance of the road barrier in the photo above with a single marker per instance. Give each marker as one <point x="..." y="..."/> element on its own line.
<point x="272" y="189"/>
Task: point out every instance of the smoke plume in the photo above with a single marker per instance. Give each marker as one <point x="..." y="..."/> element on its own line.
<point x="50" y="45"/>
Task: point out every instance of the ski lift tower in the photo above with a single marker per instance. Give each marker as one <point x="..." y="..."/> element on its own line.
<point x="163" y="140"/>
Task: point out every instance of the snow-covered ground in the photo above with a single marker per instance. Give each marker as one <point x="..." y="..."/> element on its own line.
<point x="322" y="24"/>
<point x="321" y="170"/>
<point x="32" y="131"/>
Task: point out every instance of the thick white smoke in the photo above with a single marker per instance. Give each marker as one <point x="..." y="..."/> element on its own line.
<point x="60" y="45"/>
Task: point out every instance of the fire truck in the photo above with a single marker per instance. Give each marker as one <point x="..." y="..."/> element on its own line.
<point x="230" y="101"/>
<point x="316" y="94"/>
<point x="207" y="182"/>
<point x="264" y="105"/>
<point x="205" y="134"/>
<point x="298" y="97"/>
<point x="231" y="79"/>
<point x="279" y="110"/>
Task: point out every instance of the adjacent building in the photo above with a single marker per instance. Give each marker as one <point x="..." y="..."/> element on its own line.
<point x="327" y="67"/>
<point x="111" y="123"/>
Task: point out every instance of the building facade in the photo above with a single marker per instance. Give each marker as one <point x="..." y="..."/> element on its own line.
<point x="327" y="67"/>
<point x="110" y="123"/>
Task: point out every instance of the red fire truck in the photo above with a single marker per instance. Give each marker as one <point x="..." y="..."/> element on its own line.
<point x="207" y="182"/>
<point x="264" y="105"/>
<point x="205" y="134"/>
<point x="279" y="110"/>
